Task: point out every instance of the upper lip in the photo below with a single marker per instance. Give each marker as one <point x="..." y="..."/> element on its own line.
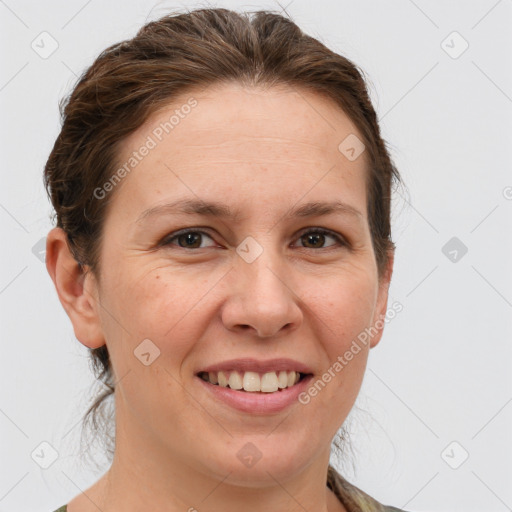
<point x="250" y="364"/>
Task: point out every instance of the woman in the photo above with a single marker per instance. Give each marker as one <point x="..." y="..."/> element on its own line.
<point x="223" y="242"/>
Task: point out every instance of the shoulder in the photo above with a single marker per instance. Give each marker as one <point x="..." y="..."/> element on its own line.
<point x="64" y="508"/>
<point x="353" y="498"/>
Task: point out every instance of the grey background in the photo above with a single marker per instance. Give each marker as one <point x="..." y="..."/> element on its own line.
<point x="440" y="374"/>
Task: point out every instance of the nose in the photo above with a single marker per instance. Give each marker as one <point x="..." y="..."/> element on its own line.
<point x="262" y="299"/>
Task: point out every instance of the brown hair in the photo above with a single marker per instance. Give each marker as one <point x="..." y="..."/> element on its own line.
<point x="131" y="80"/>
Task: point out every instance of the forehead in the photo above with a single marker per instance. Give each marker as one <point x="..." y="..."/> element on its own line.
<point x="236" y="134"/>
<point x="220" y="113"/>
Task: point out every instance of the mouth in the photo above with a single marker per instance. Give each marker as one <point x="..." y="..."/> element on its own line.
<point x="254" y="382"/>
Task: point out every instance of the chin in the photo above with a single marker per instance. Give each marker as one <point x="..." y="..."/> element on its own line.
<point x="258" y="462"/>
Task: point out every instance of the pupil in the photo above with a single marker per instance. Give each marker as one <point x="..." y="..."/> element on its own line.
<point x="313" y="237"/>
<point x="190" y="237"/>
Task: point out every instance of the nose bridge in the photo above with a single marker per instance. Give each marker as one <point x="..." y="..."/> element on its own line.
<point x="262" y="298"/>
<point x="265" y="276"/>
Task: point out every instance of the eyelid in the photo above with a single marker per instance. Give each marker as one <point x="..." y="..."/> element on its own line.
<point x="166" y="241"/>
<point x="338" y="237"/>
<point x="341" y="240"/>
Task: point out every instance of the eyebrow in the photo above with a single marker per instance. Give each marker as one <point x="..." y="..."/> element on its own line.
<point x="221" y="210"/>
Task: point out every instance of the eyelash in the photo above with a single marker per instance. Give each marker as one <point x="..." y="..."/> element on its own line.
<point x="167" y="241"/>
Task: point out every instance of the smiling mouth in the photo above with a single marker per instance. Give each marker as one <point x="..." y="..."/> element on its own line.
<point x="254" y="382"/>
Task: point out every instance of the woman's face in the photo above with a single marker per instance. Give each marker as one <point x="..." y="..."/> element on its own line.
<point x="261" y="285"/>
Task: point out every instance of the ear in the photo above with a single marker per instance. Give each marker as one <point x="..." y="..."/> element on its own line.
<point x="382" y="301"/>
<point x="77" y="289"/>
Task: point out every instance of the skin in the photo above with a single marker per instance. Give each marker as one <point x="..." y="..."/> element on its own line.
<point x="263" y="152"/>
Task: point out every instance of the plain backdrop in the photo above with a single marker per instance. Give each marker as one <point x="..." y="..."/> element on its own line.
<point x="432" y="427"/>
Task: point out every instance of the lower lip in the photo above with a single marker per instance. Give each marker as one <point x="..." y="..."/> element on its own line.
<point x="257" y="403"/>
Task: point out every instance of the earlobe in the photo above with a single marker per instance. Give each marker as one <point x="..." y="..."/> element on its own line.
<point x="382" y="301"/>
<point x="77" y="291"/>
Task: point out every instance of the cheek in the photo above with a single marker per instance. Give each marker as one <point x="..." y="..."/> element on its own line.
<point x="172" y="308"/>
<point x="164" y="306"/>
<point x="345" y="307"/>
<point x="343" y="311"/>
<point x="166" y="311"/>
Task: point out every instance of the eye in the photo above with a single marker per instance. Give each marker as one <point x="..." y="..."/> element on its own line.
<point x="313" y="238"/>
<point x="317" y="237"/>
<point x="187" y="239"/>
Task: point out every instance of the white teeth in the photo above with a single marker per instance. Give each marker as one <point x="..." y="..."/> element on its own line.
<point x="269" y="382"/>
<point x="251" y="381"/>
<point x="235" y="381"/>
<point x="223" y="381"/>
<point x="282" y="379"/>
